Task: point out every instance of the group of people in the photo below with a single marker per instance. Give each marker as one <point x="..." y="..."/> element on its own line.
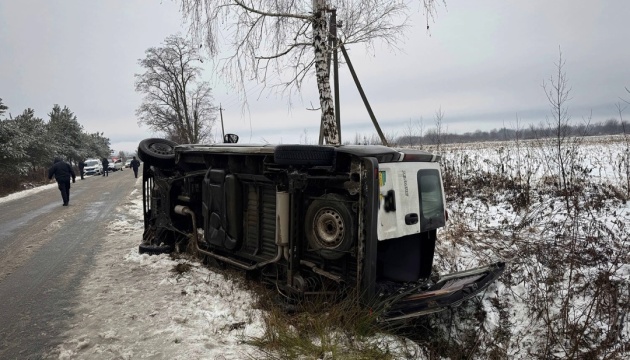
<point x="63" y="173"/>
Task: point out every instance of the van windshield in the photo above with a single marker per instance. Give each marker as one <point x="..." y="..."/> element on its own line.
<point x="91" y="163"/>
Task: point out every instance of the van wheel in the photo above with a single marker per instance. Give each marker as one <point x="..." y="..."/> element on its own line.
<point x="157" y="152"/>
<point x="304" y="155"/>
<point x="329" y="226"/>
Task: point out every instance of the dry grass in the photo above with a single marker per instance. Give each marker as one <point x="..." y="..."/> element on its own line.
<point x="322" y="328"/>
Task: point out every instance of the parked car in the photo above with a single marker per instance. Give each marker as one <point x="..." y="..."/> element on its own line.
<point x="115" y="165"/>
<point x="93" y="167"/>
<point x="128" y="163"/>
<point x="309" y="220"/>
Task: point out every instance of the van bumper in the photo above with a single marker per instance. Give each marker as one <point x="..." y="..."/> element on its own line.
<point x="449" y="291"/>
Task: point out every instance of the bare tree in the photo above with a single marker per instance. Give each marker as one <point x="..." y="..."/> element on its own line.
<point x="175" y="100"/>
<point x="624" y="163"/>
<point x="562" y="155"/>
<point x="413" y="133"/>
<point x="437" y="134"/>
<point x="281" y="42"/>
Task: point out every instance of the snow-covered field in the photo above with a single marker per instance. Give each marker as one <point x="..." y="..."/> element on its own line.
<point x="566" y="239"/>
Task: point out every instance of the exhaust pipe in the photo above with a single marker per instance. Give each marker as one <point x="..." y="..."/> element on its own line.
<point x="282" y="221"/>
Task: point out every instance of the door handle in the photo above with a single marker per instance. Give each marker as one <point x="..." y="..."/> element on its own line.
<point x="411" y="219"/>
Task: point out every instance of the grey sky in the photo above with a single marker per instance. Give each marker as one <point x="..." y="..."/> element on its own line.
<point x="483" y="64"/>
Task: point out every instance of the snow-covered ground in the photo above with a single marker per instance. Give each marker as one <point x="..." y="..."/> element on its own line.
<point x="137" y="306"/>
<point x="566" y="290"/>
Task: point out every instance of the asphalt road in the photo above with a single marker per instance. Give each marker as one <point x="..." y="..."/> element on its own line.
<point x="45" y="251"/>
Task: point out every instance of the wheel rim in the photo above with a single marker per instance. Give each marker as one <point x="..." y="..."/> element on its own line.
<point x="161" y="148"/>
<point x="329" y="228"/>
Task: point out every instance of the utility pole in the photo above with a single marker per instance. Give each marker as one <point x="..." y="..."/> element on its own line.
<point x="334" y="45"/>
<point x="333" y="31"/>
<point x="221" y="113"/>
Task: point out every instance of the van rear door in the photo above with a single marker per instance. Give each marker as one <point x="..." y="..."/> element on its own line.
<point x="411" y="199"/>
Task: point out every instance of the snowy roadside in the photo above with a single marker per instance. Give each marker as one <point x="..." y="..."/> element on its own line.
<point x="135" y="306"/>
<point x="28" y="192"/>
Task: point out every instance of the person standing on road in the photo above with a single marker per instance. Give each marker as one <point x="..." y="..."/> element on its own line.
<point x="62" y="171"/>
<point x="135" y="164"/>
<point x="81" y="166"/>
<point x="105" y="163"/>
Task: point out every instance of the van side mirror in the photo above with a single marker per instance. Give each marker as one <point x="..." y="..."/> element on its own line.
<point x="230" y="138"/>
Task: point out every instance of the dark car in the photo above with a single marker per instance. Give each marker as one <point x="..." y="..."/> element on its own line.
<point x="309" y="219"/>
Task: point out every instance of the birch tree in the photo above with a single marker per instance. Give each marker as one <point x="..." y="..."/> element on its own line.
<point x="282" y="42"/>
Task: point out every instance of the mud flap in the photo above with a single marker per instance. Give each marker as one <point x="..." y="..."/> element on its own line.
<point x="449" y="291"/>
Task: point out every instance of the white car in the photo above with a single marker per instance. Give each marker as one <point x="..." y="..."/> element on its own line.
<point x="93" y="167"/>
<point x="115" y="165"/>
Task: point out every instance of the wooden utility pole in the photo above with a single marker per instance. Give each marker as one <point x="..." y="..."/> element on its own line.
<point x="334" y="45"/>
<point x="221" y="113"/>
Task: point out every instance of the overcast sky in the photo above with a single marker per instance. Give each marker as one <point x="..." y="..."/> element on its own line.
<point x="483" y="63"/>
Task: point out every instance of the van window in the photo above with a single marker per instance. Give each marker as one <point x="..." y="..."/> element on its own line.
<point x="431" y="200"/>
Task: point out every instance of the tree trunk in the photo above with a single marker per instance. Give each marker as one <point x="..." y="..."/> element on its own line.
<point x="331" y="132"/>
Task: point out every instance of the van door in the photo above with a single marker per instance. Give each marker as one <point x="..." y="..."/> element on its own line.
<point x="411" y="199"/>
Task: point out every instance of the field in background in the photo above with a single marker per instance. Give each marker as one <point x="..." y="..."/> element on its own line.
<point x="557" y="212"/>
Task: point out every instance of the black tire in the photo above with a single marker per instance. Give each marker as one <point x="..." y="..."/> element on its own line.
<point x="329" y="226"/>
<point x="157" y="152"/>
<point x="154" y="249"/>
<point x="304" y="155"/>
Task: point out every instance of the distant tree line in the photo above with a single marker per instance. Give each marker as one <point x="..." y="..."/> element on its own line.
<point x="28" y="143"/>
<point x="433" y="137"/>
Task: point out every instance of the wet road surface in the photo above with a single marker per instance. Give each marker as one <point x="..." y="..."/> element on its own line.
<point x="45" y="251"/>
